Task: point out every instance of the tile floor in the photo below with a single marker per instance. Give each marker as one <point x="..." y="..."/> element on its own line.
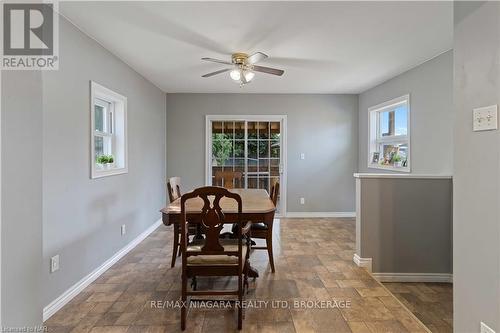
<point x="432" y="303"/>
<point x="313" y="262"/>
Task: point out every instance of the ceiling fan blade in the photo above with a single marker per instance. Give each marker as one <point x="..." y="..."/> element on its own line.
<point x="217" y="61"/>
<point x="256" y="57"/>
<point x="216" y="72"/>
<point x="268" y="70"/>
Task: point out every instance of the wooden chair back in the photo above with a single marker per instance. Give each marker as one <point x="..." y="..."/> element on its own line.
<point x="275" y="191"/>
<point x="228" y="179"/>
<point x="174" y="188"/>
<point x="211" y="220"/>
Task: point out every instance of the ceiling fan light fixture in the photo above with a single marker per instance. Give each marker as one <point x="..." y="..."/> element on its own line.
<point x="235" y="74"/>
<point x="242" y="68"/>
<point x="249" y="75"/>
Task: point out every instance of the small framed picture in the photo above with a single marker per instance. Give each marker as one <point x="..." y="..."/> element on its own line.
<point x="375" y="157"/>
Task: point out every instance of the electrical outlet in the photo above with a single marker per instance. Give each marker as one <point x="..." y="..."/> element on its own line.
<point x="302" y="156"/>
<point x="302" y="201"/>
<point x="486" y="329"/>
<point x="54" y="263"/>
<point x="123" y="229"/>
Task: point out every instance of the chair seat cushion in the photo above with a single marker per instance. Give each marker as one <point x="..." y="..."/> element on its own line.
<point x="215" y="260"/>
<point x="259" y="226"/>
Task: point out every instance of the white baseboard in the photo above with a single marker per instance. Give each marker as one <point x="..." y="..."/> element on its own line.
<point x="414" y="277"/>
<point x="402" y="277"/>
<point x="363" y="262"/>
<point x="319" y="214"/>
<point x="74" y="290"/>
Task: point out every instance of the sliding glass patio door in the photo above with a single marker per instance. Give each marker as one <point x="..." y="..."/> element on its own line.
<point x="251" y="149"/>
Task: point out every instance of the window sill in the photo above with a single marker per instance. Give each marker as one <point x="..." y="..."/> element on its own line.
<point x="96" y="173"/>
<point x="389" y="168"/>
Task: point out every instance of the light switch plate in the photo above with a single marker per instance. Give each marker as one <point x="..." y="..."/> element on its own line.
<point x="302" y="156"/>
<point x="486" y="329"/>
<point x="485" y="119"/>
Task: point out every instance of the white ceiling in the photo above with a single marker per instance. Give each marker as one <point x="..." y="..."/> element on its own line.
<point x="324" y="47"/>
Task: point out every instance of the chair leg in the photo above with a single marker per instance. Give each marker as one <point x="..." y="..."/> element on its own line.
<point x="240" y="299"/>
<point x="269" y="245"/>
<point x="245" y="276"/>
<point x="184" y="303"/>
<point x="194" y="283"/>
<point x="176" y="244"/>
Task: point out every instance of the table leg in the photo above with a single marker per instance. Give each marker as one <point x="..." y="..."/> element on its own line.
<point x="253" y="272"/>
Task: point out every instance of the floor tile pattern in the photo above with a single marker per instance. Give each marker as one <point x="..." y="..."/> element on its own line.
<point x="432" y="303"/>
<point x="313" y="260"/>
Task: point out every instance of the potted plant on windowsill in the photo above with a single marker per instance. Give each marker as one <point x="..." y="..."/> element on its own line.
<point x="398" y="161"/>
<point x="105" y="162"/>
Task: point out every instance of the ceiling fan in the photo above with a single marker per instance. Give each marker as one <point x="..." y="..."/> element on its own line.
<point x="243" y="67"/>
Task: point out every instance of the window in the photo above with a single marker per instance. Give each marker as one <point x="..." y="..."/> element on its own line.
<point x="108" y="132"/>
<point x="389" y="145"/>
<point x="103" y="127"/>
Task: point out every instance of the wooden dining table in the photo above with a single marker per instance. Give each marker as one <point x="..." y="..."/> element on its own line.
<point x="256" y="207"/>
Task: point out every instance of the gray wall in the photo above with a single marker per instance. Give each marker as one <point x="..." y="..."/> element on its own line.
<point x="477" y="163"/>
<point x="405" y="225"/>
<point x="324" y="127"/>
<point x="430" y="86"/>
<point x="82" y="216"/>
<point x="21" y="198"/>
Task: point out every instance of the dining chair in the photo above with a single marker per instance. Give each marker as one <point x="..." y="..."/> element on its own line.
<point x="174" y="193"/>
<point x="214" y="256"/>
<point x="174" y="188"/>
<point x="228" y="179"/>
<point x="264" y="230"/>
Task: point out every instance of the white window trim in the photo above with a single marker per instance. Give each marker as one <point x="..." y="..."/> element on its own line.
<point x="275" y="118"/>
<point x="373" y="125"/>
<point x="101" y="92"/>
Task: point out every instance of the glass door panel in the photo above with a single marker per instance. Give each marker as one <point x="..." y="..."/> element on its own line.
<point x="263" y="130"/>
<point x="239" y="153"/>
<point x="219" y="148"/>
<point x="275" y="130"/>
<point x="262" y="145"/>
<point x="253" y="152"/>
<point x="252" y="148"/>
